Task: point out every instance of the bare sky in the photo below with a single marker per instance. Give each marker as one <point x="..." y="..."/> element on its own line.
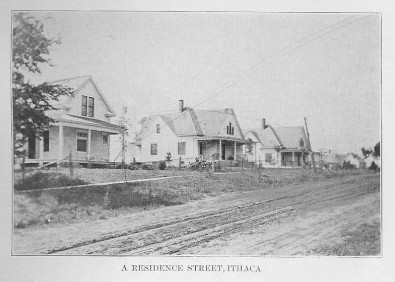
<point x="282" y="67"/>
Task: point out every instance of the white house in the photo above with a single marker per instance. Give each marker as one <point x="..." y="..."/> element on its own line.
<point x="82" y="126"/>
<point x="189" y="133"/>
<point x="278" y="146"/>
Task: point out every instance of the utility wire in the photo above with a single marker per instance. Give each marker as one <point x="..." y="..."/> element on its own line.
<point x="305" y="40"/>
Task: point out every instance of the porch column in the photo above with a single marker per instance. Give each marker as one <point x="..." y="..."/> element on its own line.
<point x="255" y="145"/>
<point x="293" y="158"/>
<point x="234" y="157"/>
<point x="60" y="157"/>
<point x="89" y="144"/>
<point x="41" y="143"/>
<point x="220" y="149"/>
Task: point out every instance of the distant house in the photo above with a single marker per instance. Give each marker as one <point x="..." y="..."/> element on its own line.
<point x="278" y="146"/>
<point x="82" y="126"/>
<point x="189" y="133"/>
<point x="330" y="160"/>
<point x="351" y="160"/>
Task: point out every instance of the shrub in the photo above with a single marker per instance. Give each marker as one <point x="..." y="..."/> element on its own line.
<point x="41" y="180"/>
<point x="162" y="165"/>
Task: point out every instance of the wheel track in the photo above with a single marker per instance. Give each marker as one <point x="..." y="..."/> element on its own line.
<point x="212" y="215"/>
<point x="209" y="236"/>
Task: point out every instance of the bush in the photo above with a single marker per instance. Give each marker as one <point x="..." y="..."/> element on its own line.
<point x="162" y="165"/>
<point x="147" y="167"/>
<point x="41" y="180"/>
<point x="374" y="167"/>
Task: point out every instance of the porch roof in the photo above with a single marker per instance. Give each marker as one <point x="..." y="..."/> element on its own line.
<point x="238" y="140"/>
<point x="90" y="122"/>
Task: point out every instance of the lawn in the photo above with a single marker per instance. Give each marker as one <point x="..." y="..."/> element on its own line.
<point x="62" y="206"/>
<point x="361" y="241"/>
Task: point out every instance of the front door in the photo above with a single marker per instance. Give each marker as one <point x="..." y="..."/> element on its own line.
<point x="31" y="148"/>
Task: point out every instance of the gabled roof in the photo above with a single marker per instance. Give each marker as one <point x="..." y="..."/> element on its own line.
<point x="193" y="122"/>
<point x="267" y="137"/>
<point x="76" y="84"/>
<point x="287" y="137"/>
<point x="290" y="136"/>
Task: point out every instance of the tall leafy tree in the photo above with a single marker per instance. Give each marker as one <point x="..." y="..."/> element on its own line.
<point x="30" y="50"/>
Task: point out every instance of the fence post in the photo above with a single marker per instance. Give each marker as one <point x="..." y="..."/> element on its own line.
<point x="179" y="162"/>
<point x="71" y="164"/>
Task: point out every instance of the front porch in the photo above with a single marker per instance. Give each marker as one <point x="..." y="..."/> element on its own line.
<point x="293" y="158"/>
<point x="82" y="144"/>
<point x="221" y="149"/>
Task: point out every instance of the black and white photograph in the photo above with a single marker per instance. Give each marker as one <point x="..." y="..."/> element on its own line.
<point x="194" y="134"/>
<point x="178" y="141"/>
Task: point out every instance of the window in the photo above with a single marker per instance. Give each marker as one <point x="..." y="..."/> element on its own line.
<point x="46" y="141"/>
<point x="84" y="105"/>
<point x="91" y="109"/>
<point x="268" y="158"/>
<point x="181" y="148"/>
<point x="105" y="139"/>
<point x="158" y="128"/>
<point x="82" y="141"/>
<point x="230" y="129"/>
<point x="154" y="149"/>
<point x="301" y="142"/>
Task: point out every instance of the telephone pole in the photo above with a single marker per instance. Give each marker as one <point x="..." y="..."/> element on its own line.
<point x="308" y="139"/>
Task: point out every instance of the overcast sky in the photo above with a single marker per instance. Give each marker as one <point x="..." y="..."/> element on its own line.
<point x="282" y="67"/>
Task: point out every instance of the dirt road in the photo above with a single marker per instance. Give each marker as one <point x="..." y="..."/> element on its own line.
<point x="283" y="221"/>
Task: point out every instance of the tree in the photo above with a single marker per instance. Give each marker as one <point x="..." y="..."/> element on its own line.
<point x="376" y="152"/>
<point x="278" y="149"/>
<point x="369" y="152"/>
<point x="372" y="154"/>
<point x="124" y="123"/>
<point x="30" y="50"/>
<point x="249" y="146"/>
<point x="366" y="152"/>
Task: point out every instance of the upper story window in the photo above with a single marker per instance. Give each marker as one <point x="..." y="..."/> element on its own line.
<point x="84" y="105"/>
<point x="87" y="106"/>
<point x="91" y="107"/>
<point x="158" y="128"/>
<point x="301" y="143"/>
<point x="230" y="129"/>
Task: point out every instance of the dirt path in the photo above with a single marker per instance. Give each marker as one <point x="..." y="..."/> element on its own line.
<point x="274" y="221"/>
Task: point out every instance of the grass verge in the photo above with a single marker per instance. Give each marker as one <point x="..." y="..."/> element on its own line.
<point x="39" y="208"/>
<point x="364" y="241"/>
<point x="40" y="180"/>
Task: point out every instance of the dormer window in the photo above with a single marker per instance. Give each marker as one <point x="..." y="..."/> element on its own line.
<point x="88" y="106"/>
<point x="230" y="129"/>
<point x="91" y="107"/>
<point x="301" y="143"/>
<point x="84" y="108"/>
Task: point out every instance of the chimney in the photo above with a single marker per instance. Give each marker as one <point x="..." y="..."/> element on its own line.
<point x="264" y="126"/>
<point x="180" y="106"/>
